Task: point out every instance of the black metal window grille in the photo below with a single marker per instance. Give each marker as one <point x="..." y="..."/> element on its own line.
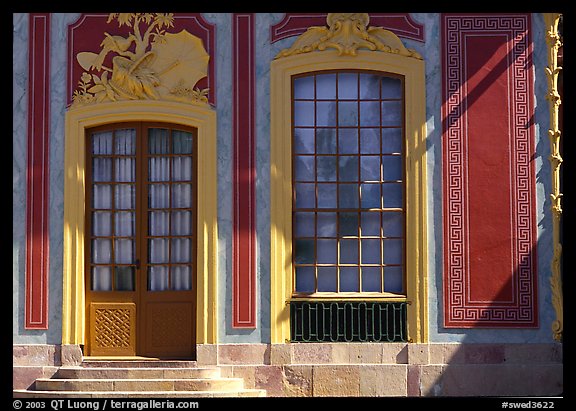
<point x="349" y="321"/>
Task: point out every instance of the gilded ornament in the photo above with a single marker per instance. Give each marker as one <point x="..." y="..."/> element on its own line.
<point x="348" y="32"/>
<point x="148" y="64"/>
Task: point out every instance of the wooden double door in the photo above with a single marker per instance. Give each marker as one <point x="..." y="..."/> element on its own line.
<point x="140" y="240"/>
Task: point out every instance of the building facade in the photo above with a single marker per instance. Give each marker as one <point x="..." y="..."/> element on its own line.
<point x="322" y="204"/>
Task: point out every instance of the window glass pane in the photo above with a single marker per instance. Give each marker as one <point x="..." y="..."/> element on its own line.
<point x="326" y="196"/>
<point x="101" y="169"/>
<point x="348" y="196"/>
<point x="392" y="251"/>
<point x="369" y="86"/>
<point x="347" y="113"/>
<point x="370" y="223"/>
<point x="304" y="252"/>
<point x="393" y="280"/>
<point x="392" y="195"/>
<point x="371" y="279"/>
<point x="392" y="168"/>
<point x="101" y="251"/>
<point x="326" y="225"/>
<point x="102" y="223"/>
<point x="305" y="195"/>
<point x="304" y="140"/>
<point x="348" y="86"/>
<point x="327" y="279"/>
<point x="181" y="223"/>
<point x="182" y="142"/>
<point x="326" y="141"/>
<point x="182" y="169"/>
<point x="370" y="141"/>
<point x="326" y="86"/>
<point x="391" y="140"/>
<point x="158" y="250"/>
<point x="393" y="224"/>
<point x="304" y="87"/>
<point x="124" y="278"/>
<point x="158" y="141"/>
<point x="159" y="169"/>
<point x="325" y="114"/>
<point x="158" y="223"/>
<point x="348" y="224"/>
<point x="348" y="168"/>
<point x="348" y="141"/>
<point x="371" y="197"/>
<point x="125" y="141"/>
<point x="369" y="113"/>
<point x="370" y="168"/>
<point x="305" y="279"/>
<point x="303" y="113"/>
<point x="392" y="113"/>
<point x="181" y="277"/>
<point x="326" y="168"/>
<point x="101" y="279"/>
<point x="181" y="251"/>
<point x="304" y="224"/>
<point x="327" y="252"/>
<point x="304" y="168"/>
<point x="124" y="224"/>
<point x="371" y="252"/>
<point x="391" y="87"/>
<point x="348" y="251"/>
<point x="159" y="196"/>
<point x="157" y="278"/>
<point x="182" y="195"/>
<point x="349" y="281"/>
<point x="124" y="196"/>
<point x="102" y="142"/>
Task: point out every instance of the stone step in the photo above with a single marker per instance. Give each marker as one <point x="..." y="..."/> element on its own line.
<point x="136" y="372"/>
<point x="137" y="363"/>
<point x="138" y="394"/>
<point x="136" y="384"/>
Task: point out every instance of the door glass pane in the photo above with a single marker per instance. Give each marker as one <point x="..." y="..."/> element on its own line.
<point x="182" y="195"/>
<point x="158" y="141"/>
<point x="158" y="250"/>
<point x="158" y="196"/>
<point x="124" y="251"/>
<point x="125" y="141"/>
<point x="102" y="223"/>
<point x="101" y="279"/>
<point x="182" y="169"/>
<point x="182" y="142"/>
<point x="158" y="223"/>
<point x="124" y="224"/>
<point x="181" y="223"/>
<point x="101" y="251"/>
<point x="125" y="169"/>
<point x="124" y="279"/>
<point x="102" y="143"/>
<point x="102" y="196"/>
<point x="181" y="277"/>
<point x="101" y="169"/>
<point x="181" y="251"/>
<point x="125" y="196"/>
<point x="157" y="278"/>
<point x="159" y="169"/>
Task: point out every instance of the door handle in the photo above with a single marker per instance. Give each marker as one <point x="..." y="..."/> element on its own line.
<point x="137" y="263"/>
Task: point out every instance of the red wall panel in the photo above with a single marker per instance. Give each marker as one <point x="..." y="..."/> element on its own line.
<point x="488" y="172"/>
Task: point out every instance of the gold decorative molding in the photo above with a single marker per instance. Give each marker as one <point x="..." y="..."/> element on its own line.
<point x="348" y="32"/>
<point x="553" y="41"/>
<point x="148" y="64"/>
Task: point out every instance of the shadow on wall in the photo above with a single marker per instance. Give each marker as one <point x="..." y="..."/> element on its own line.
<point x="518" y="367"/>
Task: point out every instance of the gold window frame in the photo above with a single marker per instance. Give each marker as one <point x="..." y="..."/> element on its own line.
<point x="282" y="70"/>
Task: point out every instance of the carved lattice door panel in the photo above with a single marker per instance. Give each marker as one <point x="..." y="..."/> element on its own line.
<point x="140" y="253"/>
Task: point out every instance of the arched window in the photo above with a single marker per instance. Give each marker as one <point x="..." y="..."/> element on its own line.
<point x="348" y="190"/>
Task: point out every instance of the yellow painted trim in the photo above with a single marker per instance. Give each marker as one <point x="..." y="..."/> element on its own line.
<point x="282" y="70"/>
<point x="200" y="116"/>
<point x="553" y="41"/>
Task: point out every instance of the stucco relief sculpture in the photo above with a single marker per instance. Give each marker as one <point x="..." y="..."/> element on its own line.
<point x="148" y="64"/>
<point x="348" y="32"/>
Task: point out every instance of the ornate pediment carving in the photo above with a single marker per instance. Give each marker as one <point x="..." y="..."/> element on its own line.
<point x="148" y="63"/>
<point x="348" y="32"/>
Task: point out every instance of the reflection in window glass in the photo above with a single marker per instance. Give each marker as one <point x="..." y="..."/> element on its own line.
<point x="348" y="182"/>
